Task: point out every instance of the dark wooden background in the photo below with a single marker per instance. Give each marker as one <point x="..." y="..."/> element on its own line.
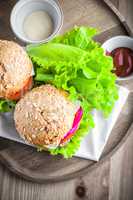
<point x="113" y="180"/>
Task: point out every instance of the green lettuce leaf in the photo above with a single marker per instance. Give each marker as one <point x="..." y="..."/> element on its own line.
<point x="6" y="105"/>
<point x="79" y="37"/>
<point x="77" y="64"/>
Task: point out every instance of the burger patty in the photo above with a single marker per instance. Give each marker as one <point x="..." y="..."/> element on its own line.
<point x="15" y="68"/>
<point x="44" y="115"/>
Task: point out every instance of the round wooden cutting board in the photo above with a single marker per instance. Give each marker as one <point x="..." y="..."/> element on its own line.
<point x="42" y="167"/>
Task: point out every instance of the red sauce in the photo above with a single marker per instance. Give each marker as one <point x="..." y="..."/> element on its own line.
<point x="123" y="61"/>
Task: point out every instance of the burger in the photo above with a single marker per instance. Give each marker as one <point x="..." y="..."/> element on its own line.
<point x="15" y="71"/>
<point x="45" y="117"/>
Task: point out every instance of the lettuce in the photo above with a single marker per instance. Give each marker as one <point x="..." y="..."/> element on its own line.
<point x="77" y="64"/>
<point x="6" y="105"/>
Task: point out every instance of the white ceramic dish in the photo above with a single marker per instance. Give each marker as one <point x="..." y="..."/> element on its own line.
<point x="119" y="41"/>
<point x="23" y="8"/>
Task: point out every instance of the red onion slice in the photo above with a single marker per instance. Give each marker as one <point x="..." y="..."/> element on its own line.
<point x="75" y="125"/>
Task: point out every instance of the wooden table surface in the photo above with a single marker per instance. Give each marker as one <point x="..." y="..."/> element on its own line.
<point x="113" y="180"/>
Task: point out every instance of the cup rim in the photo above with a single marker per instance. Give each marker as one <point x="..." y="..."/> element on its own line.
<point x="130" y="77"/>
<point x="52" y="3"/>
<point x="117" y="37"/>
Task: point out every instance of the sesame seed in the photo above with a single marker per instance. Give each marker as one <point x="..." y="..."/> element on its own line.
<point x="41" y="129"/>
<point x="36" y="118"/>
<point x="33" y="136"/>
<point x="35" y="105"/>
<point x="26" y="115"/>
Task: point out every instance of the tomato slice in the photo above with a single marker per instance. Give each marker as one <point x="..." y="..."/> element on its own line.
<point x="17" y="95"/>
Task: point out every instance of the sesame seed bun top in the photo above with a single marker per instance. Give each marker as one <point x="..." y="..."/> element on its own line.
<point x="15" y="67"/>
<point x="44" y="115"/>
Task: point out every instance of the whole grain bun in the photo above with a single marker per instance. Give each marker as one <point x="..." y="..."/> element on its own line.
<point x="44" y="115"/>
<point x="15" y="68"/>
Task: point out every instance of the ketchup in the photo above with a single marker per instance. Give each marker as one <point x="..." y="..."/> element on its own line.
<point x="123" y="61"/>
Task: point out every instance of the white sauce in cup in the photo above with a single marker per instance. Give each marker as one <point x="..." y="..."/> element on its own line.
<point x="38" y="25"/>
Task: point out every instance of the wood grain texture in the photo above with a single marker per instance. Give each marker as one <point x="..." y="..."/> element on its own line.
<point x="121" y="172"/>
<point x="125" y="7"/>
<point x="112" y="180"/>
<point x="41" y="166"/>
<point x="121" y="17"/>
